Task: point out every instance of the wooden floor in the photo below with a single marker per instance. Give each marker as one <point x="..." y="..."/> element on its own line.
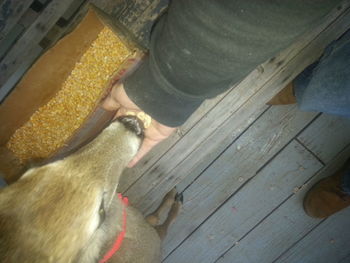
<point x="243" y="167"/>
<point x="246" y="206"/>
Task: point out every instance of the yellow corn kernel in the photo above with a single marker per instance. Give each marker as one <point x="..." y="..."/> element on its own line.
<point x="53" y="124"/>
<point x="145" y="118"/>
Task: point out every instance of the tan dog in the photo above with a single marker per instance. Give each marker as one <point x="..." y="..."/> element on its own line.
<point x="67" y="211"/>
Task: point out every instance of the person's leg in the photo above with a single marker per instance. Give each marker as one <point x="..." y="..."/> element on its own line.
<point x="324" y="85"/>
<point x="329" y="195"/>
<point x="328" y="88"/>
<point x="287" y="94"/>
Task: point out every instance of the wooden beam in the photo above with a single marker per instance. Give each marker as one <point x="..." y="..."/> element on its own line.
<point x="326" y="136"/>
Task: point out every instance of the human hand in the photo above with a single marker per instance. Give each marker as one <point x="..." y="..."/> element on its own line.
<point x="118" y="100"/>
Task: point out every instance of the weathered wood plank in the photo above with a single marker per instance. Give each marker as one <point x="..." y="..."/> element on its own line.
<point x="16" y="76"/>
<point x="74" y="17"/>
<point x="132" y="11"/>
<point x="137" y="15"/>
<point x="175" y="232"/>
<point x="143" y="25"/>
<point x="21" y="51"/>
<point x="10" y="38"/>
<point x="72" y="10"/>
<point x="326" y="136"/>
<point x="49" y="39"/>
<point x="328" y="242"/>
<point x="113" y="7"/>
<point x="245" y="99"/>
<point x="283" y="228"/>
<point x="270" y="187"/>
<point x="235" y="166"/>
<point x="10" y="12"/>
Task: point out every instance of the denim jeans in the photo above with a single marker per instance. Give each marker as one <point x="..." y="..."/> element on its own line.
<point x="325" y="86"/>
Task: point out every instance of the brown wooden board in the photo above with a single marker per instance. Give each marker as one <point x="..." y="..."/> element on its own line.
<point x="32" y="91"/>
<point x="36" y="88"/>
<point x="94" y="124"/>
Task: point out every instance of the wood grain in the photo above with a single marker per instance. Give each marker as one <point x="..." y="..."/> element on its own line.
<point x="234" y="167"/>
<point x="326" y="136"/>
<point x="244" y="210"/>
<point x="21" y="51"/>
<point x="281" y="230"/>
<point x="10" y="12"/>
<point x="328" y="242"/>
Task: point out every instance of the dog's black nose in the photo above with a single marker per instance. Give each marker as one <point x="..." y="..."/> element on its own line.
<point x="133" y="123"/>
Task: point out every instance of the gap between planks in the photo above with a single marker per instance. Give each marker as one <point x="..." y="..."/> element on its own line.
<point x="328" y="134"/>
<point x="271" y="253"/>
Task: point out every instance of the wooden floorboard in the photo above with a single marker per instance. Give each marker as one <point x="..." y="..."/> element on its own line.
<point x="327" y="243"/>
<point x="11" y="12"/>
<point x="243" y="211"/>
<point x="240" y="162"/>
<point x="284" y="228"/>
<point x="317" y="137"/>
<point x="209" y="190"/>
<point x="21" y="51"/>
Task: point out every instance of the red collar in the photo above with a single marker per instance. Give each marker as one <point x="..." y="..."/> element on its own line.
<point x="119" y="240"/>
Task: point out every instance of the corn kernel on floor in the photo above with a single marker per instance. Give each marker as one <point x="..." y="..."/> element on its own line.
<point x="53" y="124"/>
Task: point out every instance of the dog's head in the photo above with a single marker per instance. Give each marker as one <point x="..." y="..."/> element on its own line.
<point x="51" y="213"/>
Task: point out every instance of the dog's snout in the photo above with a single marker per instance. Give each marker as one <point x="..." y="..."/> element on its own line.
<point x="133" y="123"/>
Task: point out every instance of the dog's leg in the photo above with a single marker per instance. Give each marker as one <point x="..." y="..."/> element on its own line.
<point x="168" y="200"/>
<point x="173" y="213"/>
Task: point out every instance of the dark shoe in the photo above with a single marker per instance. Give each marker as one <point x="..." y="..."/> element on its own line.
<point x="326" y="197"/>
<point x="284" y="97"/>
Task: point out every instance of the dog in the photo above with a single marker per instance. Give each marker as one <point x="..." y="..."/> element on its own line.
<point x="68" y="210"/>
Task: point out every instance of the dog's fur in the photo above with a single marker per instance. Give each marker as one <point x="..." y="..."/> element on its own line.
<point x="67" y="211"/>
